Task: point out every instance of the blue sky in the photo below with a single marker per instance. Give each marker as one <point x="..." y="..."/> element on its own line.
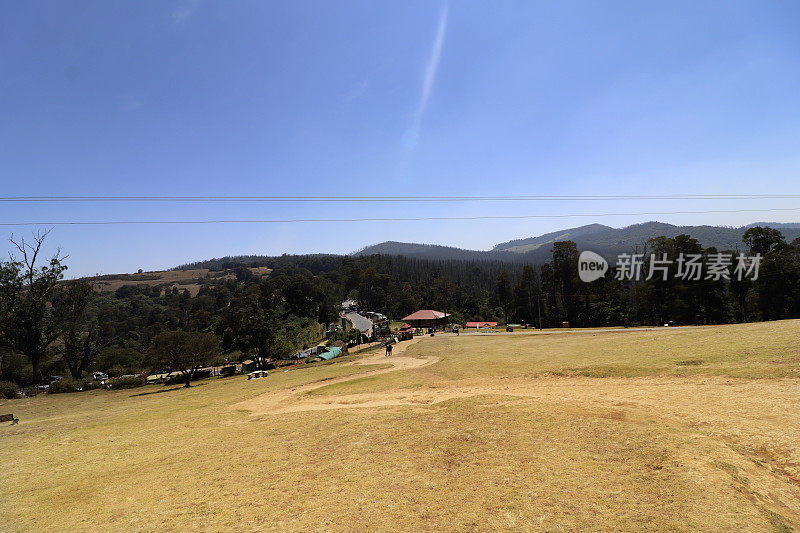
<point x="383" y="98"/>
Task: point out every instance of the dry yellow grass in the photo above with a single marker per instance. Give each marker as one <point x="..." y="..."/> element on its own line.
<point x="666" y="430"/>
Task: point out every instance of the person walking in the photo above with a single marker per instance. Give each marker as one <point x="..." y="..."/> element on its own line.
<point x="388" y="350"/>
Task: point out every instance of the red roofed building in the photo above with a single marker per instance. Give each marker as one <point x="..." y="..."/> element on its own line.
<point x="481" y="324"/>
<point x="427" y="318"/>
<point x="406" y="332"/>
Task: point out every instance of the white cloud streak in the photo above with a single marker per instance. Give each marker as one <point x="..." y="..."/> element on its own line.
<point x="180" y="14"/>
<point x="411" y="137"/>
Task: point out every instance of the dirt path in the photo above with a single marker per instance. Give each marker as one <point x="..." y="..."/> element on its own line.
<point x="761" y="416"/>
<point x="293" y="400"/>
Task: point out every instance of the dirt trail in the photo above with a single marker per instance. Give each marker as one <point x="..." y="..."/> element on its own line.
<point x="293" y="400"/>
<point x="759" y="415"/>
<point x="752" y="424"/>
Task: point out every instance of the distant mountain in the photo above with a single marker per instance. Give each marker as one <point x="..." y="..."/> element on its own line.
<point x="533" y="243"/>
<point x="433" y="251"/>
<point x="612" y="241"/>
<point x="605" y="240"/>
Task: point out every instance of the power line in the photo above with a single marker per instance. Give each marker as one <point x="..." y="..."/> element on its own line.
<point x="511" y="198"/>
<point x="386" y="219"/>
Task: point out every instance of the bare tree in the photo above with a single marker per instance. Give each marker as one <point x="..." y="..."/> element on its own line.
<point x="27" y="288"/>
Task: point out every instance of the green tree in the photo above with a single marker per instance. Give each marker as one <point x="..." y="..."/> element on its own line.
<point x="763" y="240"/>
<point x="254" y="328"/>
<point x="504" y="294"/>
<point x="568" y="286"/>
<point x="184" y="351"/>
<point x="79" y="336"/>
<point x="115" y="360"/>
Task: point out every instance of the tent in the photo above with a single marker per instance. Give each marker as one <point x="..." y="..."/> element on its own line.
<point x="332" y="352"/>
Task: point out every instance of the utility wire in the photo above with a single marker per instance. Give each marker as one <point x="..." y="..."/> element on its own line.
<point x="386" y="219"/>
<point x="512" y="198"/>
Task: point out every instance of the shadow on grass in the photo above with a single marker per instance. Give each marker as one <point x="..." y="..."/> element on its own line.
<point x="164" y="390"/>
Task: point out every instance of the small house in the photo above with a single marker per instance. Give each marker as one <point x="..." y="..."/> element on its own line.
<point x="406" y="332"/>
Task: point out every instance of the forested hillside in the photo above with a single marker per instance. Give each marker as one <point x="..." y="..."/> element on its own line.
<point x="52" y="326"/>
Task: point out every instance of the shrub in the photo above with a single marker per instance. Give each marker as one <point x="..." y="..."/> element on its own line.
<point x="128" y="382"/>
<point x="8" y="389"/>
<point x="181" y="378"/>
<point x="65" y="385"/>
<point x="69" y="385"/>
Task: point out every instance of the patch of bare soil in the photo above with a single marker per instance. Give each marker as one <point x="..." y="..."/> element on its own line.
<point x="293" y="400"/>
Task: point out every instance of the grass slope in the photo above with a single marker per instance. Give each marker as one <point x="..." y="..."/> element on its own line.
<point x="665" y="430"/>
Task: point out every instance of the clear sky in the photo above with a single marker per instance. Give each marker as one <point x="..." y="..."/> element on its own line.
<point x="425" y="97"/>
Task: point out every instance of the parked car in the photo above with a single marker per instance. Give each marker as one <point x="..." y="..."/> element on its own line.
<point x="45" y="384"/>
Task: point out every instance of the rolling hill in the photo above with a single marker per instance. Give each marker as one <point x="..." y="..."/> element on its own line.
<point x="605" y="240"/>
<point x="433" y="251"/>
<point x="190" y="279"/>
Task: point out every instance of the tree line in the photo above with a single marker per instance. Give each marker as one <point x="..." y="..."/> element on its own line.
<point x="49" y="325"/>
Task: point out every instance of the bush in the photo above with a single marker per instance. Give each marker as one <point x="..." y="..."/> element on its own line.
<point x="89" y="384"/>
<point x="8" y="389"/>
<point x="69" y="385"/>
<point x="181" y="378"/>
<point x="128" y="382"/>
<point x="65" y="385"/>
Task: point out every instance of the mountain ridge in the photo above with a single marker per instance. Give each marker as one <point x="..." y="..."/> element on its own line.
<point x="605" y="240"/>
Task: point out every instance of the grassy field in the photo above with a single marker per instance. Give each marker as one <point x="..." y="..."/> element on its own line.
<point x="675" y="429"/>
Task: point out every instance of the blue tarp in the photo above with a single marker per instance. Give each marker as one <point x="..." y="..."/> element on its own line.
<point x="332" y="352"/>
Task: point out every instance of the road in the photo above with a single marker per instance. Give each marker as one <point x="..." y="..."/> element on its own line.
<point x="361" y="323"/>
